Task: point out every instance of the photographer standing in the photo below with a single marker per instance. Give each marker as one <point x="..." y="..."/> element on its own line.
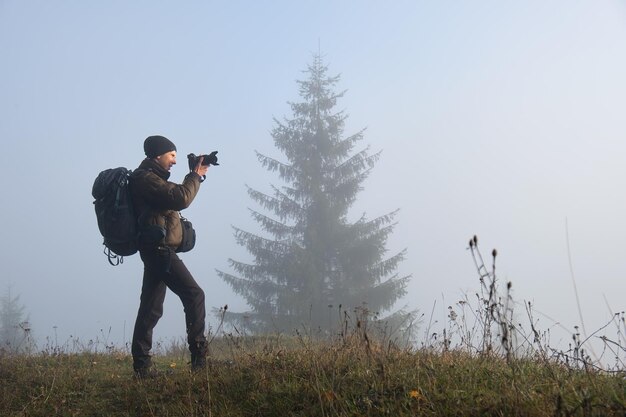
<point x="157" y="203"/>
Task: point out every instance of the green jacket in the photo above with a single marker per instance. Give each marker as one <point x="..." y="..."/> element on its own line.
<point x="157" y="201"/>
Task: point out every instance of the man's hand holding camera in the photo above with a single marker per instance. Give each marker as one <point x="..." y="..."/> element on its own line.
<point x="201" y="169"/>
<point x="200" y="164"/>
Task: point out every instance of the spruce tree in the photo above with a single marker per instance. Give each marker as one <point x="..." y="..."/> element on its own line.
<point x="311" y="259"/>
<point x="14" y="328"/>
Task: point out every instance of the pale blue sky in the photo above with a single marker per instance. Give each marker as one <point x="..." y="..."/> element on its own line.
<point x="500" y="119"/>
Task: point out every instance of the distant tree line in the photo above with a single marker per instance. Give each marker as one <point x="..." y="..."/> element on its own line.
<point x="15" y="330"/>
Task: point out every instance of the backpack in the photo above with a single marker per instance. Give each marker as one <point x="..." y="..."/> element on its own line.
<point x="114" y="210"/>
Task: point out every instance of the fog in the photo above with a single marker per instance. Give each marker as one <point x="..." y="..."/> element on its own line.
<point x="499" y="119"/>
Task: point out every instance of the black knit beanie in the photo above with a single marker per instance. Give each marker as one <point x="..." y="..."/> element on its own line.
<point x="154" y="146"/>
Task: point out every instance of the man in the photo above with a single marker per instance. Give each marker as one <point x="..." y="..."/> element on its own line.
<point x="157" y="203"/>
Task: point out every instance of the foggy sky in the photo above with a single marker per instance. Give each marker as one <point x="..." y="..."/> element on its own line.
<point x="501" y="120"/>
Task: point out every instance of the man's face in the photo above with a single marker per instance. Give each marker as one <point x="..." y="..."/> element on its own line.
<point x="167" y="160"/>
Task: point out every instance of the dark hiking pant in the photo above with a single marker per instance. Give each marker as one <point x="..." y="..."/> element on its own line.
<point x="163" y="269"/>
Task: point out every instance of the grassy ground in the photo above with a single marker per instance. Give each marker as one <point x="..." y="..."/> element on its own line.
<point x="274" y="378"/>
<point x="483" y="363"/>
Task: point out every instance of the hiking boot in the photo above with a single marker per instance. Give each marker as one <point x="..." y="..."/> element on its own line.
<point x="146" y="373"/>
<point x="198" y="362"/>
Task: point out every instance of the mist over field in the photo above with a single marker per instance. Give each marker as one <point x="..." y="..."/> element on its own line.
<point x="500" y="120"/>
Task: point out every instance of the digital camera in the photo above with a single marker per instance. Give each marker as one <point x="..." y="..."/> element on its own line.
<point x="210" y="159"/>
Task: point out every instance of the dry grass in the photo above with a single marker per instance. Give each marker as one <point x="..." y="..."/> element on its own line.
<point x="294" y="377"/>
<point x="479" y="364"/>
